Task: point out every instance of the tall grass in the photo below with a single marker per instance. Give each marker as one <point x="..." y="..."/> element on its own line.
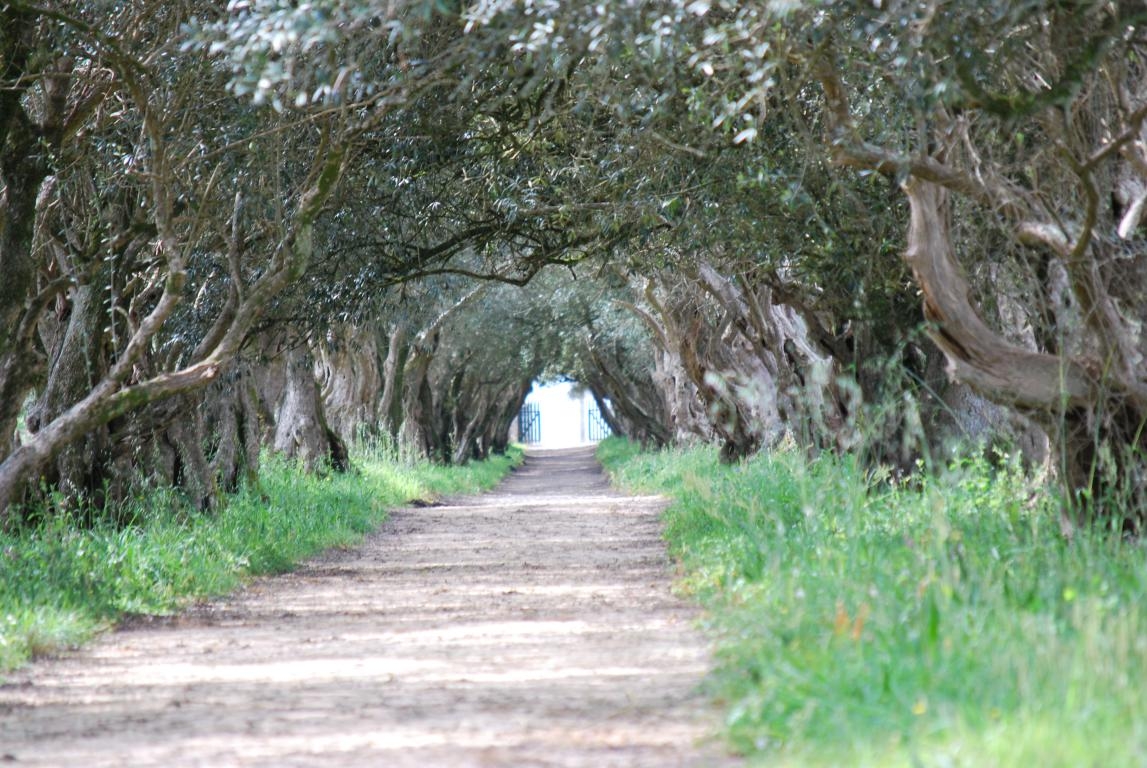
<point x="60" y="583"/>
<point x="947" y="623"/>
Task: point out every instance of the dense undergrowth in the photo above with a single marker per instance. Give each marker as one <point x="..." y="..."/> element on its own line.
<point x="862" y="622"/>
<point x="60" y="583"/>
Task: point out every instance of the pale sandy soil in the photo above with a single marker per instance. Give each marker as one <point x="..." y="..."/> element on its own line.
<point x="533" y="626"/>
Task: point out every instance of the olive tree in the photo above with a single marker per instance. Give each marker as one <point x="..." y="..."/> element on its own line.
<point x="1018" y="151"/>
<point x="142" y="257"/>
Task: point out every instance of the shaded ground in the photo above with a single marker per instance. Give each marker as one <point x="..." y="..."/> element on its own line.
<point x="529" y="627"/>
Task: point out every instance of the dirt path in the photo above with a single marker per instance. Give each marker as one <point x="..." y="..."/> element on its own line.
<point x="529" y="627"/>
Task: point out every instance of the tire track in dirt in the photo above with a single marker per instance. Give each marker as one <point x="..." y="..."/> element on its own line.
<point x="532" y="626"/>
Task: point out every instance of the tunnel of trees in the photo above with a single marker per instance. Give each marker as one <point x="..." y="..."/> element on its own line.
<point x="885" y="228"/>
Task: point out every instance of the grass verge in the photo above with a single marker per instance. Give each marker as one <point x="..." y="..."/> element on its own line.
<point x="60" y="584"/>
<point x="864" y="623"/>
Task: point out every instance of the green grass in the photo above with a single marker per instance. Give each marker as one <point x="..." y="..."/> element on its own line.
<point x="864" y="623"/>
<point x="60" y="583"/>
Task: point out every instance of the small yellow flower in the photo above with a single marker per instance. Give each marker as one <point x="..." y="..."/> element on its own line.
<point x="920" y="707"/>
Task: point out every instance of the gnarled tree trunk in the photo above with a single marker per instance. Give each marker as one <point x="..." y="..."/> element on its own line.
<point x="350" y="380"/>
<point x="390" y="402"/>
<point x="77" y="365"/>
<point x="301" y="429"/>
<point x="23" y="169"/>
<point x="236" y="423"/>
<point x="1094" y="417"/>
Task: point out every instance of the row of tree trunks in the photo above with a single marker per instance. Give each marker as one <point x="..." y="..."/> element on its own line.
<point x="457" y="398"/>
<point x="732" y="387"/>
<point x="663" y="409"/>
<point x="631" y="406"/>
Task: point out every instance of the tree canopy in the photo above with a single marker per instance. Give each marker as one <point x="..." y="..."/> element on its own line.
<point x="874" y="227"/>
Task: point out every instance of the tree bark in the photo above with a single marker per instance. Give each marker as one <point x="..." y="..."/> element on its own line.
<point x="301" y="429"/>
<point x="114" y="395"/>
<point x="423" y="426"/>
<point x="976" y="354"/>
<point x="235" y="418"/>
<point x="1095" y="418"/>
<point x="390" y="403"/>
<point x="77" y="365"/>
<point x="348" y="373"/>
<point x="685" y="416"/>
<point x="23" y="169"/>
<point x="419" y="416"/>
